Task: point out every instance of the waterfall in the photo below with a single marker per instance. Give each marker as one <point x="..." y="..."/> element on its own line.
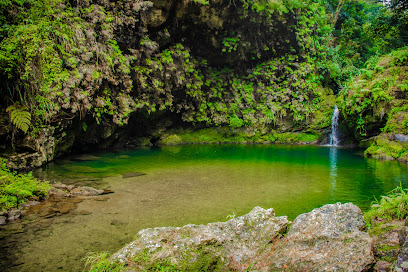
<point x="334" y="140"/>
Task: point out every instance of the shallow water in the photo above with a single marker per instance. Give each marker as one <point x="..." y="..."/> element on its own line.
<point x="184" y="184"/>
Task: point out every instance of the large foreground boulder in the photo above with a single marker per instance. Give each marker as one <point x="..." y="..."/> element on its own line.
<point x="220" y="245"/>
<point x="326" y="239"/>
<point x="330" y="238"/>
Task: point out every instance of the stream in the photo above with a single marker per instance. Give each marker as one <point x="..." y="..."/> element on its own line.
<point x="178" y="185"/>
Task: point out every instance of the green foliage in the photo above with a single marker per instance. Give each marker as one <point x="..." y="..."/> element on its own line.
<point x="230" y="44"/>
<point x="82" y="70"/>
<point x="66" y="63"/>
<point x="235" y="121"/>
<point x="361" y="30"/>
<point x="400" y="57"/>
<point x="15" y="188"/>
<point x="202" y="2"/>
<point x="101" y="262"/>
<point x="392" y="206"/>
<point x="35" y="51"/>
<point x="267" y="7"/>
<point x="47" y="49"/>
<point x="19" y="116"/>
<point x="377" y="96"/>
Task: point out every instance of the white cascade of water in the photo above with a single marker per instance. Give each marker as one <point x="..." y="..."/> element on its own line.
<point x="334" y="135"/>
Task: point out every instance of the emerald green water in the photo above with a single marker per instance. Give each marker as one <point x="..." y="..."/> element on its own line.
<point x="190" y="184"/>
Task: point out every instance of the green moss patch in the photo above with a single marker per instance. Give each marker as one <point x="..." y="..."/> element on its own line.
<point x="16" y="189"/>
<point x="379" y="228"/>
<point x="238" y="135"/>
<point x="383" y="148"/>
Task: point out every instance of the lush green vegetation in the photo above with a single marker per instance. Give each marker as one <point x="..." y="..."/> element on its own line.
<point x="376" y="101"/>
<point x="195" y="260"/>
<point x="61" y="61"/>
<point x="389" y="207"/>
<point x="100" y="263"/>
<point x="15" y="188"/>
<point x="237" y="135"/>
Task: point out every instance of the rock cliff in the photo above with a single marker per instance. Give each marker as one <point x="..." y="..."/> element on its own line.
<point x="115" y="71"/>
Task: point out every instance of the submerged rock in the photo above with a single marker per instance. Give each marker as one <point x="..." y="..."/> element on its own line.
<point x="132" y="174"/>
<point x="63" y="190"/>
<point x="330" y="238"/>
<point x="85" y="157"/>
<point x="86" y="191"/>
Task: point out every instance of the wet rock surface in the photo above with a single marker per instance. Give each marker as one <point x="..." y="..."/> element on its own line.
<point x="330" y="238"/>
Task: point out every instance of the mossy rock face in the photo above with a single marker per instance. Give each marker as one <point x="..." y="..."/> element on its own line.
<point x="385" y="147"/>
<point x="221" y="63"/>
<point x="171" y="140"/>
<point x="322" y="118"/>
<point x="238" y="135"/>
<point x="375" y="105"/>
<point x="389" y="236"/>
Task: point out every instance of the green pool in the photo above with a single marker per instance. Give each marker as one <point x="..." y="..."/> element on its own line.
<point x="189" y="184"/>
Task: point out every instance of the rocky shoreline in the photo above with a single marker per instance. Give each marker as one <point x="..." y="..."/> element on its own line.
<point x="331" y="238"/>
<point x="58" y="192"/>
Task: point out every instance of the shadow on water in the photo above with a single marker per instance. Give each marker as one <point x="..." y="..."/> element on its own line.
<point x="177" y="185"/>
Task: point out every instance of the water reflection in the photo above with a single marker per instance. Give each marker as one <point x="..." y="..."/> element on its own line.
<point x="333" y="171"/>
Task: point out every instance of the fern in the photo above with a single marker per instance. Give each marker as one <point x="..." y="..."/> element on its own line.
<point x="19" y="116"/>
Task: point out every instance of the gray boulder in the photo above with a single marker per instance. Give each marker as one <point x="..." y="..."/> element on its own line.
<point x="221" y="245"/>
<point x="330" y="238"/>
<point x="326" y="239"/>
<point x="401" y="138"/>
